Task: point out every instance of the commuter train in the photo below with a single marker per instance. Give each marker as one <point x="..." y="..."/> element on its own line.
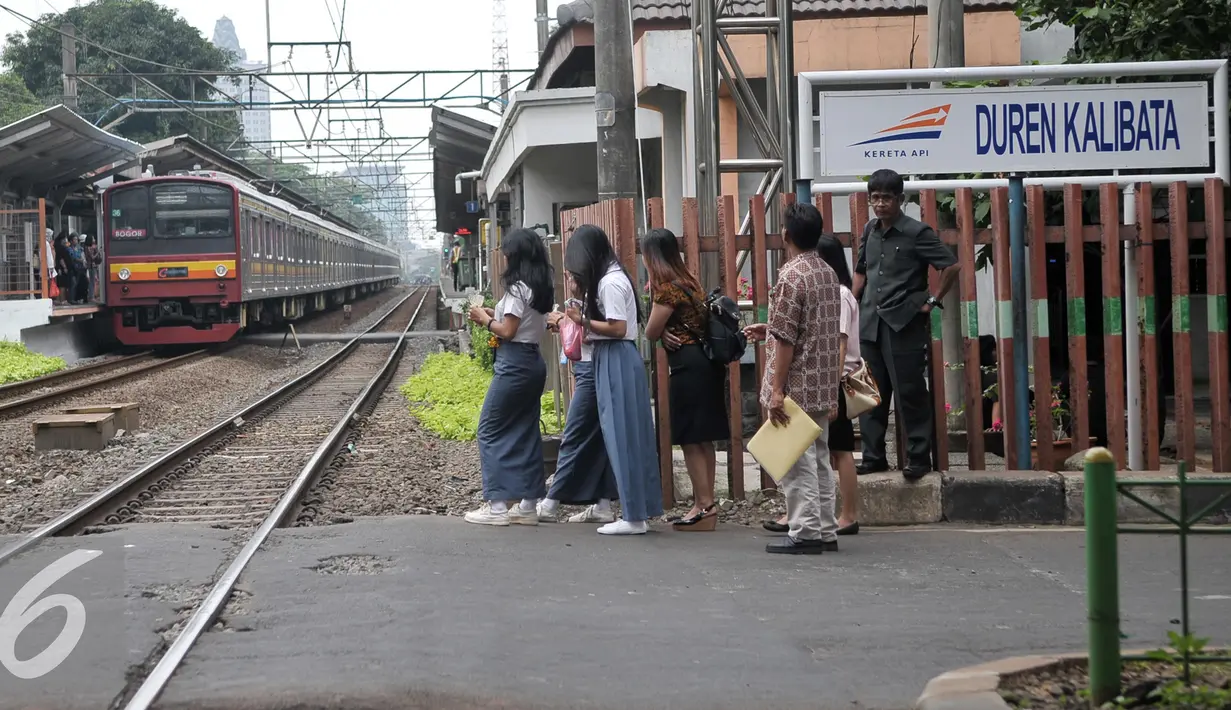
<point x="196" y="257"/>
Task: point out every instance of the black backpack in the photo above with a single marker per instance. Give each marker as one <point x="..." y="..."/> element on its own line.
<point x="724" y="342"/>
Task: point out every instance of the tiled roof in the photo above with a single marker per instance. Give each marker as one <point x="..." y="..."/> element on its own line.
<point x="582" y="10"/>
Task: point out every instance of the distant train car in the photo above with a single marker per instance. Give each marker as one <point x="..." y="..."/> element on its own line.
<point x="195" y="258"/>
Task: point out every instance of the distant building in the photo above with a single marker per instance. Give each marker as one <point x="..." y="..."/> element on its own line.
<point x="387" y="204"/>
<point x="258" y="129"/>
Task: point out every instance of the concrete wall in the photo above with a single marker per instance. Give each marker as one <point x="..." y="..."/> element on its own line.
<point x="16" y="316"/>
<point x="558" y="174"/>
<point x="72" y="340"/>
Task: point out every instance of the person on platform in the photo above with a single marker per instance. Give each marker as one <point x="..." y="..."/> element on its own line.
<point x="583" y="471"/>
<point x="802" y="362"/>
<point x="455" y="261"/>
<point x="510" y="444"/>
<point x="842" y="429"/>
<point x="92" y="259"/>
<point x="81" y="280"/>
<point x="895" y="306"/>
<point x="696" y="390"/>
<point x="610" y="316"/>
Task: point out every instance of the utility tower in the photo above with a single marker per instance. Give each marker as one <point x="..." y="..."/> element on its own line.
<point x="500" y="54"/>
<point x="769" y="112"/>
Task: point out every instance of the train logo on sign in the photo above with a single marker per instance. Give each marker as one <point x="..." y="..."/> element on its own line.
<point x="173" y="272"/>
<point x="925" y="125"/>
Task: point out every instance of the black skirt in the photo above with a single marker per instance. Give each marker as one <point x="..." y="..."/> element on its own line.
<point x="698" y="398"/>
<point x="842" y="429"/>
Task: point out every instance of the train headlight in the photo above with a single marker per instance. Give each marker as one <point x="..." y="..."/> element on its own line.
<point x="220" y="270"/>
<point x="124" y="274"/>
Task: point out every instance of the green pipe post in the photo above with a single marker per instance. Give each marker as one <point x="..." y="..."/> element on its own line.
<point x="1102" y="576"/>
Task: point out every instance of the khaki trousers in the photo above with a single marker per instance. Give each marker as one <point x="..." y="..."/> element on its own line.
<point x="809" y="490"/>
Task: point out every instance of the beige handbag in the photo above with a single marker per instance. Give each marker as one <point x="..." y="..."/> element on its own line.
<point x="860" y="390"/>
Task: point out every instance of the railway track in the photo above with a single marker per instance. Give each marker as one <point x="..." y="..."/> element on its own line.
<point x="248" y="472"/>
<point x="82" y="379"/>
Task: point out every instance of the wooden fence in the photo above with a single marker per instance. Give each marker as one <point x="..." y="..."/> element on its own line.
<point x="1091" y="324"/>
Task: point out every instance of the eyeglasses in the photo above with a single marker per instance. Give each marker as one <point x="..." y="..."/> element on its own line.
<point x="880" y="198"/>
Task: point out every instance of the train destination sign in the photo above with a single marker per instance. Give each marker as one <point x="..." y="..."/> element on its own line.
<point x="1015" y="129"/>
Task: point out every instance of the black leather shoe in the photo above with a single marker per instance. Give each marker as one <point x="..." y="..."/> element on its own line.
<point x="916" y="471"/>
<point x="864" y="469"/>
<point x="790" y="546"/>
<point x="774" y="526"/>
<point x="852" y="529"/>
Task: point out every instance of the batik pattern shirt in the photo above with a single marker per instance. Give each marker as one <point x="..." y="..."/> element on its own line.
<point x="805" y="311"/>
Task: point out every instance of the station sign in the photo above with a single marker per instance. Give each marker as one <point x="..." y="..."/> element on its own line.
<point x="472" y="207"/>
<point x="1014" y="129"/>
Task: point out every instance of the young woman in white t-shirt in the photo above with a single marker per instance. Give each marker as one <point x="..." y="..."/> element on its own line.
<point x="611" y="316"/>
<point x="510" y="440"/>
<point x="842" y="429"/>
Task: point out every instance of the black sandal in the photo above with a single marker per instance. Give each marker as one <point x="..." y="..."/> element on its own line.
<point x="775" y="527"/>
<point x="705" y="521"/>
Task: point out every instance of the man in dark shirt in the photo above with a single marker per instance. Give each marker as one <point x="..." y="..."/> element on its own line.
<point x="891" y="281"/>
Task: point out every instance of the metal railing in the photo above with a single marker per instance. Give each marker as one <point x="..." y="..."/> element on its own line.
<point x="1102" y="497"/>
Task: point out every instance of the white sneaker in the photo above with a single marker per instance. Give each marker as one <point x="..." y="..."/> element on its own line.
<point x="593" y="515"/>
<point x="485" y="516"/>
<point x="623" y="527"/>
<point x="547" y="516"/>
<point x="517" y="516"/>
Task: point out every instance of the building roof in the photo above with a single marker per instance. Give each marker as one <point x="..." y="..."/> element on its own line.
<point x="54" y="148"/>
<point x="459" y="144"/>
<point x="583" y="10"/>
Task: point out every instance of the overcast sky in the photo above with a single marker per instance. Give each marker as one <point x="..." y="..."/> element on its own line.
<point x="403" y="35"/>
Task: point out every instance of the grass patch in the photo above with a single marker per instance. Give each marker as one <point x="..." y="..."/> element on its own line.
<point x="446" y="396"/>
<point x="18" y="364"/>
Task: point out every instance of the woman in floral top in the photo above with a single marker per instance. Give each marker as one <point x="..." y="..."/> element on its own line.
<point x="697" y="397"/>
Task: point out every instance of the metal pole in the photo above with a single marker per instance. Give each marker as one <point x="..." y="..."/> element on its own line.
<point x="540" y="19"/>
<point x="614" y="101"/>
<point x="1102" y="576"/>
<point x="269" y="42"/>
<point x="1132" y="339"/>
<point x="68" y="63"/>
<point x="1021" y="328"/>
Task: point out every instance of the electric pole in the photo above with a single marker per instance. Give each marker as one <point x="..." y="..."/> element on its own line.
<point x="541" y="20"/>
<point x="68" y="63"/>
<point x="614" y="100"/>
<point x="947" y="48"/>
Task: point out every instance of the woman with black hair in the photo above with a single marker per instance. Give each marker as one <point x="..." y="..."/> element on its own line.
<point x="697" y="394"/>
<point x="510" y="445"/>
<point x="610" y="316"/>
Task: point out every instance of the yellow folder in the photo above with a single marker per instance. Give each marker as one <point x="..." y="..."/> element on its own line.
<point x="778" y="448"/>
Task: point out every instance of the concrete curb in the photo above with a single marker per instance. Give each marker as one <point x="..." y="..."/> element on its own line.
<point x="994" y="497"/>
<point x="978" y="687"/>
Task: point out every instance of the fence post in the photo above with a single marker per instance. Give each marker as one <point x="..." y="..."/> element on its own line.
<point x="1102" y="576"/>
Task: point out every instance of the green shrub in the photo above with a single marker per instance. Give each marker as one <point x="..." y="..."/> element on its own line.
<point x="17" y="363"/>
<point x="480" y="338"/>
<point x="446" y="396"/>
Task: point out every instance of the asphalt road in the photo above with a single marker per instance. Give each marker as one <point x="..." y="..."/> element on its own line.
<point x="433" y="613"/>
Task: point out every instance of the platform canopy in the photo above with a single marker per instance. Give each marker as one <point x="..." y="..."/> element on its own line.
<point x="50" y="151"/>
<point x="459" y="143"/>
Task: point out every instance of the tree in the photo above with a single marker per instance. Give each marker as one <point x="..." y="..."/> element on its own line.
<point x="16" y="101"/>
<point x="138" y="28"/>
<point x="1137" y="30"/>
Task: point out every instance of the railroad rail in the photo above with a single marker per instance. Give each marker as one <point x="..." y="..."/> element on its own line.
<point x="79" y="379"/>
<point x="249" y="471"/>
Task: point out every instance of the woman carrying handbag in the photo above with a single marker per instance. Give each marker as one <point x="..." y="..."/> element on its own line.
<point x="856" y="395"/>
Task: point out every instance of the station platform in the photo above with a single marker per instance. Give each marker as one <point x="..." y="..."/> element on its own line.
<point x="430" y="612"/>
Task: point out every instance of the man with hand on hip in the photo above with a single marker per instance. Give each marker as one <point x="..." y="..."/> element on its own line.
<point x="891" y="283"/>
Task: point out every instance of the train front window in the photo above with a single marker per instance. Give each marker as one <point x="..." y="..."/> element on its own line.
<point x="130" y="214"/>
<point x="189" y="210"/>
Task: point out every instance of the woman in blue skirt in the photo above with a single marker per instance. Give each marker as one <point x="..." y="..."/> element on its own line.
<point x="583" y="471"/>
<point x="510" y="442"/>
<point x="610" y="316"/>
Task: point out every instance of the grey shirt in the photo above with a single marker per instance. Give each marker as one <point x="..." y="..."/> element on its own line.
<point x="895" y="262"/>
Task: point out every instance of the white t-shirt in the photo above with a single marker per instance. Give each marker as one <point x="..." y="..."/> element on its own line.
<point x="850" y="328"/>
<point x="516" y="302"/>
<point x="618" y="301"/>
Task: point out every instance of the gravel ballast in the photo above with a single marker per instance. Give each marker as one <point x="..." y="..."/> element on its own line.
<point x="175" y="405"/>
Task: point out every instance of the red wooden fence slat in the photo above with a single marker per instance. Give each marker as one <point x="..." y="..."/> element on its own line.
<point x="1005" y="359"/>
<point x="1113" y="323"/>
<point x="692" y="235"/>
<point x="662" y="390"/>
<point x="1075" y="280"/>
<point x="970" y="330"/>
<point x="727" y="216"/>
<point x="1181" y="326"/>
<point x="1044" y="424"/>
<point x="1149" y="324"/>
<point x="940" y="417"/>
<point x="760" y="298"/>
<point x="1216" y="304"/>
